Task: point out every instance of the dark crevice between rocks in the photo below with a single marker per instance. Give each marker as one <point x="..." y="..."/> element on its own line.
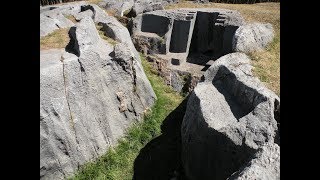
<point x="67" y="99"/>
<point x="132" y="13"/>
<point x="160" y="159"/>
<point x="277" y="118"/>
<point x="134" y="76"/>
<point x="88" y="7"/>
<point x="73" y="46"/>
<point x="187" y="87"/>
<point x="107" y="30"/>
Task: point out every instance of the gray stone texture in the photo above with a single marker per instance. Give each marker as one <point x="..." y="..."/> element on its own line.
<point x="90" y="93"/>
<point x="229" y="116"/>
<point x="118" y="6"/>
<point x="187" y="31"/>
<point x="51" y="20"/>
<point x="252" y="37"/>
<point x="132" y="8"/>
<point x="264" y="165"/>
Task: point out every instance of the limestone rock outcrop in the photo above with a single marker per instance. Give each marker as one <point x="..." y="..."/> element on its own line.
<point x="90" y="92"/>
<point x="252" y="37"/>
<point x="230" y="116"/>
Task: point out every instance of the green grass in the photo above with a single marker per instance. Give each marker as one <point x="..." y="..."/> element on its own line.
<point x="117" y="163"/>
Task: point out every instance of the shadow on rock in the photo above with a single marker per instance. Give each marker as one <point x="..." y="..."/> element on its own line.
<point x="160" y="159"/>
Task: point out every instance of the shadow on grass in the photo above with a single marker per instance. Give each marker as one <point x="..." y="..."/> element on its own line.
<point x="160" y="159"/>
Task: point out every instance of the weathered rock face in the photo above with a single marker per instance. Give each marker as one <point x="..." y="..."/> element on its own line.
<point x="264" y="165"/>
<point x="55" y="16"/>
<point x="230" y="115"/>
<point x="252" y="37"/>
<point x="132" y="8"/>
<point x="90" y="93"/>
<point x="120" y="7"/>
<point x="187" y="32"/>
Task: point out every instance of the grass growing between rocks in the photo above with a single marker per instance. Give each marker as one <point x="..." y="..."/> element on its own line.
<point x="117" y="163"/>
<point x="71" y="18"/>
<point x="267" y="62"/>
<point x="57" y="39"/>
<point x="103" y="35"/>
<point x="94" y="1"/>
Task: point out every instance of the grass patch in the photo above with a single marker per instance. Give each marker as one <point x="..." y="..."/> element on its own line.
<point x="103" y="35"/>
<point x="94" y="1"/>
<point x="267" y="65"/>
<point x="117" y="163"/>
<point x="57" y="39"/>
<point x="71" y="18"/>
<point x="267" y="62"/>
<point x="111" y="12"/>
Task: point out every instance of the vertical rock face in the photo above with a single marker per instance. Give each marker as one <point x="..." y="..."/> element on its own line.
<point x="229" y="117"/>
<point x="90" y="93"/>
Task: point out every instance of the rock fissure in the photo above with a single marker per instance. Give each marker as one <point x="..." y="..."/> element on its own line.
<point x="67" y="99"/>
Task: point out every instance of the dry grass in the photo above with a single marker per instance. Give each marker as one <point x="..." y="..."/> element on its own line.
<point x="94" y="1"/>
<point x="111" y="12"/>
<point x="266" y="63"/>
<point x="103" y="35"/>
<point x="57" y="39"/>
<point x="71" y="18"/>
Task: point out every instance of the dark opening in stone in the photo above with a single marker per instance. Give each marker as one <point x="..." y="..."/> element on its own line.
<point x="179" y="36"/>
<point x="155" y="24"/>
<point x="175" y="61"/>
<point x="211" y="39"/>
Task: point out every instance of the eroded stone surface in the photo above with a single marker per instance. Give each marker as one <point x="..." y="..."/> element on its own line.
<point x="265" y="164"/>
<point x="252" y="37"/>
<point x="89" y="95"/>
<point x="229" y="116"/>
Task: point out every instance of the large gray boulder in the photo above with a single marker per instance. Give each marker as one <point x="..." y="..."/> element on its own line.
<point x="142" y="6"/>
<point x="252" y="37"/>
<point x="90" y="93"/>
<point x="120" y="7"/>
<point x="229" y="116"/>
